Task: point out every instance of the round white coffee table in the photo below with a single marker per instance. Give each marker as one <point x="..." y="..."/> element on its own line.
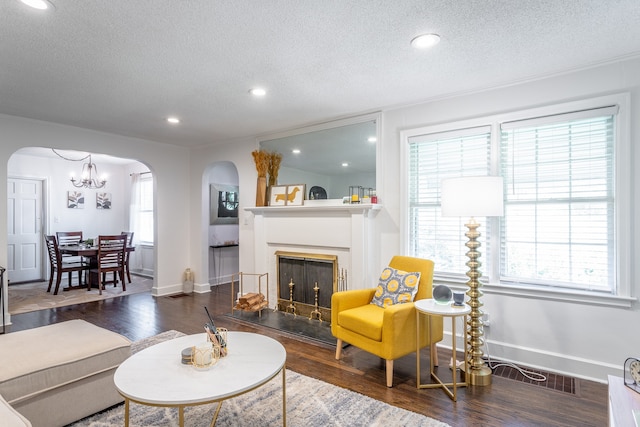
<point x="431" y="308"/>
<point x="156" y="376"/>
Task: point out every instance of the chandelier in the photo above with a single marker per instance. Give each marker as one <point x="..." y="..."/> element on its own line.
<point x="89" y="177"/>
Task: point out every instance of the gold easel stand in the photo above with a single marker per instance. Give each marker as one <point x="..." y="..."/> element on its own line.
<point x="239" y="278"/>
<point x="477" y="372"/>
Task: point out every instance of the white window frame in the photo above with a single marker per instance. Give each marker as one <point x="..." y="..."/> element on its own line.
<point x="622" y="156"/>
<point x="147" y="180"/>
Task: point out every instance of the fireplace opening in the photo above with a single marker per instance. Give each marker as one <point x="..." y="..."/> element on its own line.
<point x="305" y="283"/>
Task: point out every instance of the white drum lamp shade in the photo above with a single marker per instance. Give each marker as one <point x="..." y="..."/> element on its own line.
<point x="472" y="196"/>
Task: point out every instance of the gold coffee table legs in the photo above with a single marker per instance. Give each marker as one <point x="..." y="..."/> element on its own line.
<point x="218" y="407"/>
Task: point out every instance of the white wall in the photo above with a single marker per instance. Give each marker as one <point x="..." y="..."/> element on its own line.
<point x="588" y="340"/>
<point x="583" y="339"/>
<point x="169" y="164"/>
<point x="90" y="220"/>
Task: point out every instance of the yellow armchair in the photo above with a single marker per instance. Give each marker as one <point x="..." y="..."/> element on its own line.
<point x="389" y="333"/>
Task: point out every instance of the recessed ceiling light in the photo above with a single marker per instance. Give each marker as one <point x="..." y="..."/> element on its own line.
<point x="345" y="164"/>
<point x="295" y="151"/>
<point x="38" y="4"/>
<point x="425" y="41"/>
<point x="372" y="139"/>
<point x="258" y="91"/>
<point x="173" y="120"/>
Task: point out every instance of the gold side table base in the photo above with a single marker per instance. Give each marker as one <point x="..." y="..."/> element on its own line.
<point x="451" y="389"/>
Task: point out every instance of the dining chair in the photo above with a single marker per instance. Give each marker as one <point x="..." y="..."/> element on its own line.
<point x="110" y="258"/>
<point x="57" y="266"/>
<point x="127" y="254"/>
<point x="70" y="238"/>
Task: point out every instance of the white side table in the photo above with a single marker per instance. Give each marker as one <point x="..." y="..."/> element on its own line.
<point x="623" y="403"/>
<point x="431" y="308"/>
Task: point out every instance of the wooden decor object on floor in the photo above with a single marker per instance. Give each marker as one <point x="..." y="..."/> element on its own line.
<point x="251" y="302"/>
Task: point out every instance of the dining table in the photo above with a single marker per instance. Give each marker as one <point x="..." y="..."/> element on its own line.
<point x="87" y="251"/>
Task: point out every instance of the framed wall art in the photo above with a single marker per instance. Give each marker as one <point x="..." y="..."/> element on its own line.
<point x="295" y="195"/>
<point x="277" y="195"/>
<point x="286" y="195"/>
<point x="223" y="204"/>
<point x="103" y="200"/>
<point x="75" y="200"/>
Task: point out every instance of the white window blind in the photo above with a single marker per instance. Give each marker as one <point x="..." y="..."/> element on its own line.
<point x="558" y="227"/>
<point x="432" y="158"/>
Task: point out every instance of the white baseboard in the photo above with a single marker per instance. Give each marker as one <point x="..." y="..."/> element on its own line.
<point x="564" y="364"/>
<point x="143" y="272"/>
<point x="222" y="280"/>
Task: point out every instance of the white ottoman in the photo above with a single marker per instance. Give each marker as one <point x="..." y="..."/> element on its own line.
<point x="60" y="373"/>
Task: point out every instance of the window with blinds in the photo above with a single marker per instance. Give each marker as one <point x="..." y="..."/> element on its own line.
<point x="558" y="227"/>
<point x="432" y="158"/>
<point x="560" y="210"/>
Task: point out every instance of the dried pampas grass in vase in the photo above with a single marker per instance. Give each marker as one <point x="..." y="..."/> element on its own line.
<point x="275" y="159"/>
<point x="261" y="159"/>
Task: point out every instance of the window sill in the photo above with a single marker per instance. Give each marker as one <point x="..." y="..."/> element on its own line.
<point x="545" y="293"/>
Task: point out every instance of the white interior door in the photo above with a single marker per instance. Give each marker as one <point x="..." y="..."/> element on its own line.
<point x="24" y="228"/>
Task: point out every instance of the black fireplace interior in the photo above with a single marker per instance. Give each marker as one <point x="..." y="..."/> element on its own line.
<point x="305" y="273"/>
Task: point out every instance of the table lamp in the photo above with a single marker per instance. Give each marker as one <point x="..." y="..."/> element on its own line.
<point x="473" y="196"/>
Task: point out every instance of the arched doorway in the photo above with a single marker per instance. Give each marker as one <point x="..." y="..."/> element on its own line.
<point x="223" y="225"/>
<point x="96" y="211"/>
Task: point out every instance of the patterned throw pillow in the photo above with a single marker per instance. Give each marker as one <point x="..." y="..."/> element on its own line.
<point x="395" y="287"/>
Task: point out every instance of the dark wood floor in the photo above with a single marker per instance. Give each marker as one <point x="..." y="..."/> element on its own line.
<point x="504" y="403"/>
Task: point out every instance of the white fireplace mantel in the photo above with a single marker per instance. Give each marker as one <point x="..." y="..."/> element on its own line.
<point x="318" y="227"/>
<point x="317" y="207"/>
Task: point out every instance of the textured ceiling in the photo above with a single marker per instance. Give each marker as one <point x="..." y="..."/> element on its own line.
<point x="122" y="66"/>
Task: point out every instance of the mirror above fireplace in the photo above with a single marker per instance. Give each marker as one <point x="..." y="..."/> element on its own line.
<point x="328" y="158"/>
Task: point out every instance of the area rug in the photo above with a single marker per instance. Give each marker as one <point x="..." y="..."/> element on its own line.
<point x="27" y="297"/>
<point x="310" y="402"/>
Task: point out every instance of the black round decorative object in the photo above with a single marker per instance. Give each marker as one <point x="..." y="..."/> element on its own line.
<point x="442" y="294"/>
<point x="317" y="193"/>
